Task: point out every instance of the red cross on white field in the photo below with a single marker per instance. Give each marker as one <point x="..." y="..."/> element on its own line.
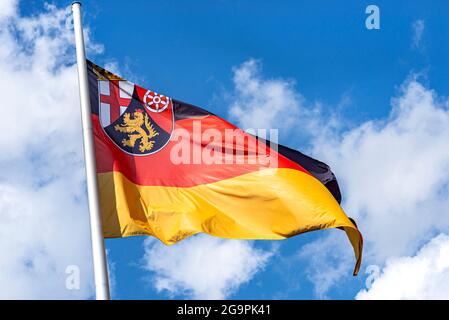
<point x="115" y="96"/>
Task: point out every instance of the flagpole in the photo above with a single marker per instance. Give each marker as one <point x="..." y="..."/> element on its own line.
<point x="98" y="252"/>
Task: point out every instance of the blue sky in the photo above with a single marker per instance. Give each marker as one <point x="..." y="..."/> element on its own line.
<point x="188" y="50"/>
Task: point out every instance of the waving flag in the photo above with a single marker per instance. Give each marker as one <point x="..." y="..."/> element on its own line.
<point x="170" y="170"/>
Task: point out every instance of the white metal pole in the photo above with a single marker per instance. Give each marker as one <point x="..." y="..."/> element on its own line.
<point x="98" y="252"/>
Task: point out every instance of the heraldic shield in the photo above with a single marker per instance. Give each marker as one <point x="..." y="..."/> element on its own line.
<point x="139" y="121"/>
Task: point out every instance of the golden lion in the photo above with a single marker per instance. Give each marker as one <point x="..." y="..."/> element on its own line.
<point x="135" y="130"/>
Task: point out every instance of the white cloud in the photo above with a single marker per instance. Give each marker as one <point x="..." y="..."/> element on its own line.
<point x="422" y="276"/>
<point x="264" y="103"/>
<point x="44" y="219"/>
<point x="259" y="102"/>
<point x="394" y="177"/>
<point x="394" y="173"/>
<point x="7" y="9"/>
<point x="203" y="267"/>
<point x="418" y="29"/>
<point x="328" y="259"/>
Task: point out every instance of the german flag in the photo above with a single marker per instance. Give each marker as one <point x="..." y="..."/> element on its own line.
<point x="170" y="170"/>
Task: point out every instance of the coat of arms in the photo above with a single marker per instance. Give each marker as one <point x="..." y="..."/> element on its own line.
<point x="138" y="121"/>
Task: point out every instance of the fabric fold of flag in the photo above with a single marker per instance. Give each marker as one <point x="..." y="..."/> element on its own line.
<point x="171" y="170"/>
